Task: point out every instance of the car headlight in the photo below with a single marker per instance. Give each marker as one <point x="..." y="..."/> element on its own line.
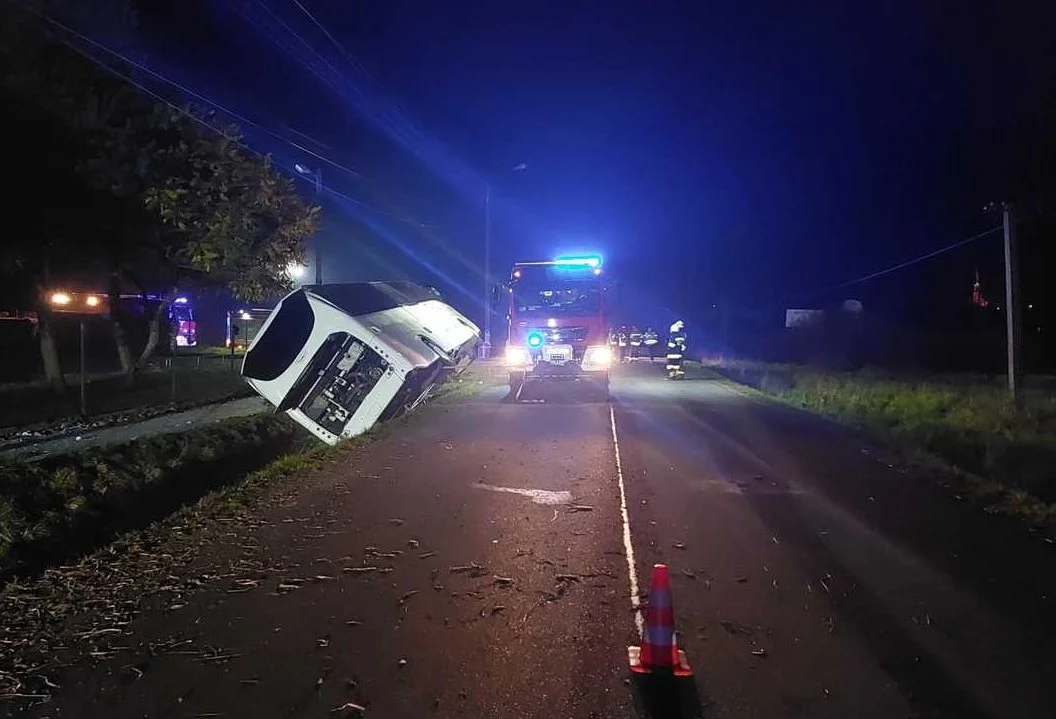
<point x="517" y="357"/>
<point x="599" y="357"/>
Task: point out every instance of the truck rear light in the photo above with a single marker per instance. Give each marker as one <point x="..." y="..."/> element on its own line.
<point x="597" y="357"/>
<point x="518" y="357"/>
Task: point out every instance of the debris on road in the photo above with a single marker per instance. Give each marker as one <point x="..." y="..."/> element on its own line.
<point x="412" y="543"/>
<point x="426" y="555"/>
<point x="759" y="653"/>
<point x="374" y="552"/>
<point x="741" y="580"/>
<point x="678" y="545"/>
<point x="348" y="707"/>
<point x="408" y="595"/>
<point x="244" y="585"/>
<point x="396" y="521"/>
<point x="503" y="581"/>
<point x="733" y="628"/>
<point x="359" y="570"/>
<point x="580" y="508"/>
<point x="401" y="663"/>
<point x="473" y="568"/>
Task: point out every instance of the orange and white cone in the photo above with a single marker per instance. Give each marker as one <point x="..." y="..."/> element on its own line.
<point x="659" y="650"/>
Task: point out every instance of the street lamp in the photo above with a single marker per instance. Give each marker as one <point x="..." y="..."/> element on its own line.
<point x="485" y="348"/>
<point x="296" y="270"/>
<point x="317" y="175"/>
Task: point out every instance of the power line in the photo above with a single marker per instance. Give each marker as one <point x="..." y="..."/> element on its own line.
<point x="907" y="263"/>
<point x="374" y="208"/>
<point x="356" y="64"/>
<point x="199" y="96"/>
<point x="217" y="130"/>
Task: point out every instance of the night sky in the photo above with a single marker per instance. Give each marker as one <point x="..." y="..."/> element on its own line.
<point x="754" y="153"/>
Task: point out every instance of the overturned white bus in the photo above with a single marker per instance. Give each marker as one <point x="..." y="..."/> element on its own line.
<point x="338" y="358"/>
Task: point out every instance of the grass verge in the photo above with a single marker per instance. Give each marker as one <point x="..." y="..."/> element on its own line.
<point x="55" y="508"/>
<point x="1008" y="456"/>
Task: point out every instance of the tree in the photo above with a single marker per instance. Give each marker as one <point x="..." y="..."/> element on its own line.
<point x="228" y="219"/>
<point x="225" y="218"/>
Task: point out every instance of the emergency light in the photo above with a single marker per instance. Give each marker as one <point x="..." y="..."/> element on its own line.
<point x="590" y="261"/>
<point x="535" y="339"/>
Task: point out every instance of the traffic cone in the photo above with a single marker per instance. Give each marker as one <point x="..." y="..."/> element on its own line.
<point x="659" y="647"/>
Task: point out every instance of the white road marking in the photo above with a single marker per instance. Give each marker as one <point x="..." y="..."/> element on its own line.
<point x="628" y="546"/>
<point x="539" y="496"/>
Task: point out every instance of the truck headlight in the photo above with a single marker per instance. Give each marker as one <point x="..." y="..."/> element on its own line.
<point x="598" y="357"/>
<point x="518" y="357"/>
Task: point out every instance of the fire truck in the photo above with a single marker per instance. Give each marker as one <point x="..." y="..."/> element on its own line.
<point x="557" y="321"/>
<point x="183" y="328"/>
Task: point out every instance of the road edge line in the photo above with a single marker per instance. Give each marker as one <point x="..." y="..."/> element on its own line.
<point x="628" y="546"/>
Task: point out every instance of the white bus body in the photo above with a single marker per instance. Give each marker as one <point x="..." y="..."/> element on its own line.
<point x="338" y="358"/>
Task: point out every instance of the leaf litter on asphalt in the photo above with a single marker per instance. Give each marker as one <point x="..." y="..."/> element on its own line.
<point x="85" y="609"/>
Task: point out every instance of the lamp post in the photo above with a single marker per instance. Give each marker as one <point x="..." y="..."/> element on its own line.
<point x="317" y="175"/>
<point x="486" y="346"/>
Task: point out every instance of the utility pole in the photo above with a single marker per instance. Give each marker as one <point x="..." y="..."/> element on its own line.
<point x="318" y="242"/>
<point x="1012" y="309"/>
<point x="486" y="347"/>
<point x="317" y="175"/>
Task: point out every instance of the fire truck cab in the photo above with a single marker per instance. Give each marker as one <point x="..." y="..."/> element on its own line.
<point x="557" y="321"/>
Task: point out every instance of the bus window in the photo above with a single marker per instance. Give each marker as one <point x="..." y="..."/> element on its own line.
<point x="277" y="348"/>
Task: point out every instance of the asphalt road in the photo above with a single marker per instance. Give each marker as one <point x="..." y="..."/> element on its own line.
<point x="810" y="578"/>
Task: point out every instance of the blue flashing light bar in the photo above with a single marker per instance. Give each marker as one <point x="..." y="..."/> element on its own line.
<point x="535" y="339"/>
<point x="587" y="261"/>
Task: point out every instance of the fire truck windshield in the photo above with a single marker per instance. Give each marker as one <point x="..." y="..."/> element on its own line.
<point x="556" y="300"/>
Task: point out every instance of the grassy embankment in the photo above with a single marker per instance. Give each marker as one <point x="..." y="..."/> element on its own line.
<point x="1008" y="456"/>
<point x="59" y="508"/>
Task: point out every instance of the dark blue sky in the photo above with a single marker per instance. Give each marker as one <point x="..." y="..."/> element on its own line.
<point x="734" y="149"/>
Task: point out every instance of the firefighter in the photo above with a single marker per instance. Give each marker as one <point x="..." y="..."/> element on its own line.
<point x="621" y="340"/>
<point x="676" y="350"/>
<point x="636" y="342"/>
<point x="650" y="339"/>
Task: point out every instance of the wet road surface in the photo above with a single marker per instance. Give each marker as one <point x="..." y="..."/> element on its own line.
<point x="475" y="563"/>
